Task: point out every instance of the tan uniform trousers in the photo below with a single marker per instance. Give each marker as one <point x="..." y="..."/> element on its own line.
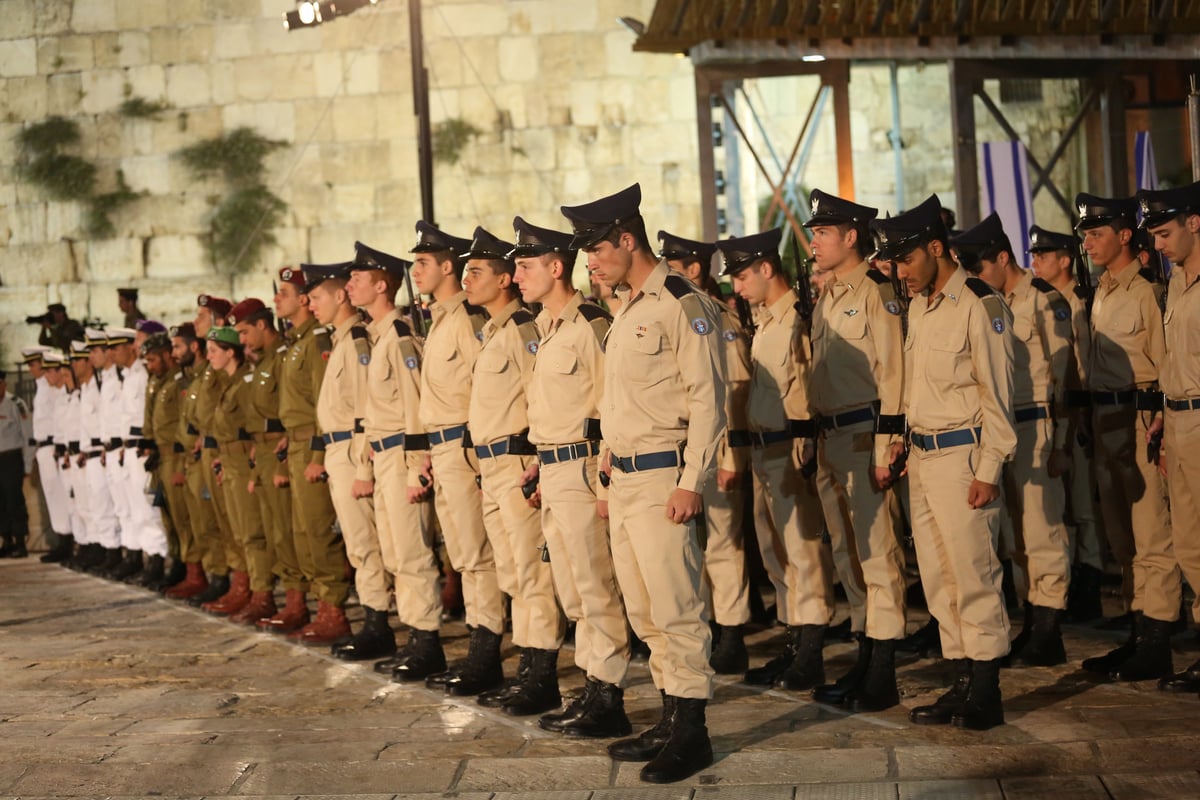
<point x="244" y="515"/>
<point x="727" y="584"/>
<point x="659" y="568"/>
<point x="407" y="541"/>
<point x="319" y="549"/>
<point x="1135" y="511"/>
<point x="956" y="553"/>
<point x="179" y="526"/>
<point x="865" y="548"/>
<point x="1182" y="441"/>
<point x="206" y="538"/>
<point x="515" y="530"/>
<point x="582" y="566"/>
<point x="789" y="525"/>
<point x="460" y="514"/>
<point x="1036" y="503"/>
<point x="1083" y="525"/>
<point x="275" y="508"/>
<point x="356" y="517"/>
<point x="234" y="557"/>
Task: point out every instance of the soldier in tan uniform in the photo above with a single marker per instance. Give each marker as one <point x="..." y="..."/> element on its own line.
<point x="234" y="443"/>
<point x="188" y="353"/>
<point x="1034" y="531"/>
<point x="662" y="416"/>
<point x="855" y="392"/>
<point x="724" y="547"/>
<point x="958" y="403"/>
<point x="787" y="509"/>
<point x="451" y="348"/>
<point x="1128" y="350"/>
<point x="264" y="347"/>
<point x="403" y="510"/>
<point x="564" y="424"/>
<point x="1172" y="217"/>
<point x="499" y="425"/>
<point x="1053" y="254"/>
<point x="164" y="395"/>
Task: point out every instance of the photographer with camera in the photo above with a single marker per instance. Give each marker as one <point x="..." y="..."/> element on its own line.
<point x="58" y="329"/>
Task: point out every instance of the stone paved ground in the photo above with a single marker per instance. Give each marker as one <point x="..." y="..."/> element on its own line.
<point x="106" y="690"/>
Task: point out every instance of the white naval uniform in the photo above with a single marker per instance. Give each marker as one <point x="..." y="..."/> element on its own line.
<point x="114" y="429"/>
<point x="47" y="406"/>
<point x="99" y="511"/>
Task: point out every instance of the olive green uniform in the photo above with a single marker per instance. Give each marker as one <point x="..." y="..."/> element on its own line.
<point x="274" y="502"/>
<point x="200" y="506"/>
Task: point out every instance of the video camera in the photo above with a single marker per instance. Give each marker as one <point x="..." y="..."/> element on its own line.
<point x="41" y="319"/>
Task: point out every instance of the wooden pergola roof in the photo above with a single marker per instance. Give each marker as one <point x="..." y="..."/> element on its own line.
<point x="712" y="30"/>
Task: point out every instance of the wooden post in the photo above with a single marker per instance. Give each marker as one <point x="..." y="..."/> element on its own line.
<point x="708" y="166"/>
<point x="838" y="77"/>
<point x="963" y="80"/>
<point x="1113" y="137"/>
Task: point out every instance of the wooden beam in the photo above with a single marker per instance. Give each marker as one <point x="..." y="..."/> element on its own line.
<point x="708" y="165"/>
<point x="963" y="81"/>
<point x="838" y="78"/>
<point x="1112" y="132"/>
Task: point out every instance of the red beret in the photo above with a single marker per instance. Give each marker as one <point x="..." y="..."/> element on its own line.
<point x="244" y="310"/>
<point x="219" y="306"/>
<point x="292" y="275"/>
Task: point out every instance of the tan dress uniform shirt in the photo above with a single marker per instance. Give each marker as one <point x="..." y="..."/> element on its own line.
<point x="858" y="356"/>
<point x="300" y="377"/>
<point x="342" y="400"/>
<point x="1128" y="345"/>
<point x="779" y="385"/>
<point x="1081" y="341"/>
<point x="394" y="388"/>
<point x="452" y="345"/>
<point x="503" y="370"/>
<point x="731" y="458"/>
<point x="960" y="344"/>
<point x="1041" y="349"/>
<point x="568" y="375"/>
<point x="1179" y="377"/>
<point x="654" y="404"/>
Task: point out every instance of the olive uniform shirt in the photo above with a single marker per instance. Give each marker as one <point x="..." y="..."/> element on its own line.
<point x="262" y="406"/>
<point x="300" y="376"/>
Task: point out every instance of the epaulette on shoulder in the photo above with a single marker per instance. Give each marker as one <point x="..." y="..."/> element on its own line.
<point x="528" y="330"/>
<point x="402" y="328"/>
<point x="1080" y="292"/>
<point x="522" y="317"/>
<point x="879" y="277"/>
<point x="599" y="320"/>
<point x="362" y="344"/>
<point x="323" y="339"/>
<point x="980" y="288"/>
<point x="1042" y="285"/>
<point x="679" y="286"/>
<point x="478" y="316"/>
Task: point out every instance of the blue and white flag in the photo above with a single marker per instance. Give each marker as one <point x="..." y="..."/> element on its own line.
<point x="1004" y="177"/>
<point x="1147" y="171"/>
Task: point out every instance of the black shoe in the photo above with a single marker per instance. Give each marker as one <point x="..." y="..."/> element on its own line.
<point x="943" y="710"/>
<point x="1105" y="664"/>
<point x="983" y="708"/>
<point x="374" y="639"/>
<point x="129" y="567"/>
<point x="688" y="749"/>
<point x="495" y="698"/>
<point x="153" y="577"/>
<point x="1019" y="641"/>
<point x="109" y="561"/>
<point x="926" y="641"/>
<point x="1151" y="657"/>
<point x="177" y="574"/>
<point x="555" y="720"/>
<point x="768" y="673"/>
<point x="1045" y="645"/>
<point x="650" y="742"/>
<point x="61" y="551"/>
<point x="602" y="715"/>
<point x="18" y="550"/>
<point x="421" y="658"/>
<point x="638" y="650"/>
<point x="834" y="693"/>
<point x="482" y="670"/>
<point x="877" y="691"/>
<point x="1186" y="681"/>
<point x="538" y="692"/>
<point x="6" y="549"/>
<point x="807" y="670"/>
<point x="729" y="656"/>
<point x="218" y="585"/>
<point x="1083" y="598"/>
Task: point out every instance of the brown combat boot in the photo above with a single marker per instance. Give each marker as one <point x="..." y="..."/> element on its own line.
<point x="234" y="600"/>
<point x="292" y="617"/>
<point x="329" y="627"/>
<point x="190" y="586"/>
<point x="260" y="607"/>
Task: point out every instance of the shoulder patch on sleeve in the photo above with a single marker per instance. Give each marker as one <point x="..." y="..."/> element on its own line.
<point x="362" y="344"/>
<point x="528" y="330"/>
<point x="408" y="350"/>
<point x="478" y="316"/>
<point x="980" y="288"/>
<point x="401" y="327"/>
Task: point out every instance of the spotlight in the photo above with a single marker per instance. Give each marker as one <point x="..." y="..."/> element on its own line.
<point x="308" y="13"/>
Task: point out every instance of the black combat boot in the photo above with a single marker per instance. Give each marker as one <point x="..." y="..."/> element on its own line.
<point x="61" y="551"/>
<point x="1151" y="657"/>
<point x="130" y="567"/>
<point x="6" y="549"/>
<point x="729" y="657"/>
<point x="768" y="673"/>
<point x="18" y="547"/>
<point x="688" y="750"/>
<point x="943" y="710"/>
<point x="926" y="641"/>
<point x="1105" y="664"/>
<point x="177" y="574"/>
<point x="877" y="691"/>
<point x="374" y="639"/>
<point x="650" y="742"/>
<point x="602" y="716"/>
<point x="982" y="709"/>
<point x="555" y="720"/>
<point x="153" y="577"/>
<point x="1045" y="645"/>
<point x="1017" y="646"/>
<point x="538" y="692"/>
<point x="422" y="657"/>
<point x="807" y="670"/>
<point x="496" y="697"/>
<point x="834" y="693"/>
<point x="85" y="555"/>
<point x="107" y="564"/>
<point x="482" y="670"/>
<point x="1186" y="681"/>
<point x="1083" y="598"/>
<point x="218" y="585"/>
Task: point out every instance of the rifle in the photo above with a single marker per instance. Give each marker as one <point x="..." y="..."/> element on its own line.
<point x="803" y="285"/>
<point x="1084" y="278"/>
<point x="745" y="316"/>
<point x="896" y="468"/>
<point x="418" y="316"/>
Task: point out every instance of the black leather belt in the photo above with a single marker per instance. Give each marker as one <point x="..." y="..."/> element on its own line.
<point x="1113" y="398"/>
<point x="336" y="436"/>
<point x="210" y="443"/>
<point x="447" y="434"/>
<point x="133" y="442"/>
<point x="768" y="438"/>
<point x="1078" y="398"/>
<point x="847" y="418"/>
<point x="43" y="443"/>
<point x="1030" y="414"/>
<point x="642" y="463"/>
<point x="96" y="443"/>
<point x="570" y="452"/>
<point x="739" y="439"/>
<point x="113" y="444"/>
<point x="136" y="431"/>
<point x="388" y="442"/>
<point x="273" y="426"/>
<point x="941" y="441"/>
<point x="1183" y="405"/>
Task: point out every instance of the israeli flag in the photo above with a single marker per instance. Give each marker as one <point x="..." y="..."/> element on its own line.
<point x="1147" y="171"/>
<point x="1004" y="176"/>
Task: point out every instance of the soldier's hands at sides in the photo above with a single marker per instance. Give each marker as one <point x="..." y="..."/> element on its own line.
<point x="727" y="481"/>
<point x="683" y="506"/>
<point x="531" y="474"/>
<point x="250" y="486"/>
<point x="281" y="445"/>
<point x="1059" y="463"/>
<point x="280" y="481"/>
<point x="980" y="494"/>
<point x="313" y="472"/>
<point x="178" y="479"/>
<point x="360" y="489"/>
<point x="1155" y="428"/>
<point x="602" y="509"/>
<point x="883" y="475"/>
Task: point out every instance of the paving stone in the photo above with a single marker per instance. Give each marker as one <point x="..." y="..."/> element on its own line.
<point x="584" y="794"/>
<point x="847" y="791"/>
<point x="351" y="777"/>
<point x="980" y="789"/>
<point x="523" y="774"/>
<point x="124" y="779"/>
<point x="981" y="761"/>
<point x="1072" y="787"/>
<point x="1149" y="752"/>
<point x="744" y="793"/>
<point x="1153" y="787"/>
<point x="644" y="793"/>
